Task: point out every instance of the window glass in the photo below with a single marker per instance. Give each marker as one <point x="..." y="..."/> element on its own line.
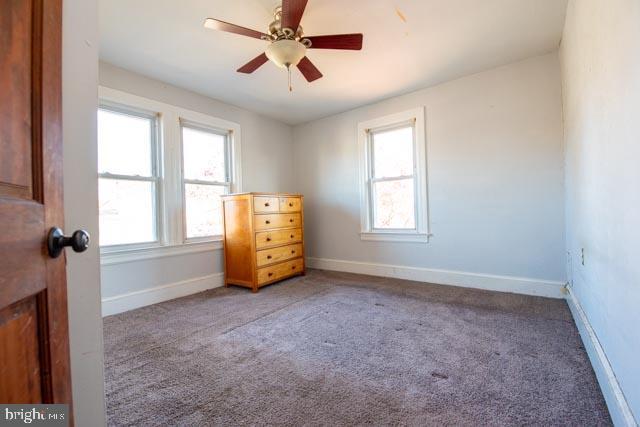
<point x="393" y="152"/>
<point x="393" y="204"/>
<point x="204" y="155"/>
<point x="124" y="143"/>
<point x="126" y="212"/>
<point x="203" y="210"/>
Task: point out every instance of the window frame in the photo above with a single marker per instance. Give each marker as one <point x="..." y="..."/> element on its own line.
<point x="227" y="184"/>
<point x="155" y="178"/>
<point x="372" y="180"/>
<point x="172" y="233"/>
<point x="366" y="132"/>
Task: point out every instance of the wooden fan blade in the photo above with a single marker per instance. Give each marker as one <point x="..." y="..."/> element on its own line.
<point x="254" y="64"/>
<point x="308" y="70"/>
<point x="292" y="11"/>
<point x="337" y="41"/>
<point x="216" y="24"/>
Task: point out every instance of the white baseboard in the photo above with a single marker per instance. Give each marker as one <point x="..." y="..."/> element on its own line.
<point x="518" y="285"/>
<point x="132" y="300"/>
<point x="619" y="409"/>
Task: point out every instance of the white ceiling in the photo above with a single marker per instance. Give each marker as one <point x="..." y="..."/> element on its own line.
<point x="437" y="41"/>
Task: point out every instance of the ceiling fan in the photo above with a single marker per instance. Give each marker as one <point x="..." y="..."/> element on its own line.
<point x="287" y="43"/>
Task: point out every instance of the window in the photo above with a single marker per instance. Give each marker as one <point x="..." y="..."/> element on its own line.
<point x="393" y="178"/>
<point x="206" y="176"/>
<point x="162" y="170"/>
<point x="128" y="178"/>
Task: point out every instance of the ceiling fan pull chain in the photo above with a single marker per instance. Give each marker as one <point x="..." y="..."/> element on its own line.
<point x="289" y="73"/>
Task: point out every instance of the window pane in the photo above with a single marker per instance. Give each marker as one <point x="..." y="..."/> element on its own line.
<point x="393" y="204"/>
<point x="124" y="144"/>
<point x="393" y="153"/>
<point x="126" y="212"/>
<point x="203" y="210"/>
<point x="204" y="155"/>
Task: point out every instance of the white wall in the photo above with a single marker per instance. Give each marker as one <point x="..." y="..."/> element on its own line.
<point x="495" y="176"/>
<point x="79" y="103"/>
<point x="601" y="86"/>
<point x="266" y="166"/>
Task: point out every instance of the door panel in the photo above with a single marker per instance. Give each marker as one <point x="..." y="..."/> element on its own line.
<point x="34" y="342"/>
<point x="15" y="104"/>
<point x="21" y="250"/>
<point x="19" y="349"/>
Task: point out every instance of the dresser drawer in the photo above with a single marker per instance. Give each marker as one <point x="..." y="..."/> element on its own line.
<point x="265" y="204"/>
<point x="290" y="204"/>
<point x="282" y="253"/>
<point x="266" y="239"/>
<point x="271" y="221"/>
<point x="279" y="271"/>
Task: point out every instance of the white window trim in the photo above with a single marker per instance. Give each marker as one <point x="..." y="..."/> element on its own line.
<point x="421" y="233"/>
<point x="171" y="237"/>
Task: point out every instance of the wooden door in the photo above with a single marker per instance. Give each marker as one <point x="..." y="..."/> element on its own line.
<point x="34" y="343"/>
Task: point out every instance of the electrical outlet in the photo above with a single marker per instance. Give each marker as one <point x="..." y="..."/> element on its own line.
<point x="582" y="255"/>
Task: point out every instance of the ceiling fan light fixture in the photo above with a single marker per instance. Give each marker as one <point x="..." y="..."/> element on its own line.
<point x="285" y="53"/>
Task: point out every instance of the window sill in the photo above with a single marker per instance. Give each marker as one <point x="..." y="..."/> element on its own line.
<point x="152" y="252"/>
<point x="395" y="237"/>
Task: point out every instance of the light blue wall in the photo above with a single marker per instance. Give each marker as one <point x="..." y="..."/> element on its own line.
<point x="266" y="166"/>
<point x="601" y="89"/>
<point x="495" y="176"/>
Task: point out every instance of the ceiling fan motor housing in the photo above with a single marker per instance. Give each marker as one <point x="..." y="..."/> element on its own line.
<point x="277" y="32"/>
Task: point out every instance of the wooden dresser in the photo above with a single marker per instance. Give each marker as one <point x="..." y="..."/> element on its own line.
<point x="263" y="238"/>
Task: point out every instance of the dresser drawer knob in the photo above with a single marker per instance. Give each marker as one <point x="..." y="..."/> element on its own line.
<point x="291" y="236"/>
<point x="267" y="222"/>
<point x="293" y="252"/>
<point x="290" y="204"/>
<point x="268" y="239"/>
<point x="268" y="256"/>
<point x="270" y="274"/>
<point x="293" y="268"/>
<point x="291" y="220"/>
<point x="266" y="204"/>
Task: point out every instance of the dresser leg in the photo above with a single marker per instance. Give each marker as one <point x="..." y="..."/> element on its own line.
<point x="254" y="290"/>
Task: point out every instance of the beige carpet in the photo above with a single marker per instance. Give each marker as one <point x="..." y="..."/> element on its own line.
<point x="342" y="349"/>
